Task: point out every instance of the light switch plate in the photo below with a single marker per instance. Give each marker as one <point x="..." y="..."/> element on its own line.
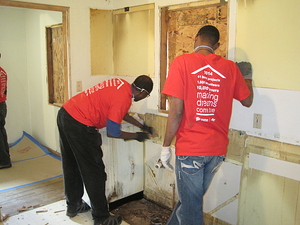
<point x="257" y="120"/>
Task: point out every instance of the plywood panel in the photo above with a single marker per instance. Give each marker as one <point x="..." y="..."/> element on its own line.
<point x="58" y="64"/>
<point x="181" y="26"/>
<point x="236" y="145"/>
<point x="184" y="25"/>
<point x="274" y="149"/>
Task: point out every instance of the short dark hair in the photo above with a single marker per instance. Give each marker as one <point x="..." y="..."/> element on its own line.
<point x="144" y="82"/>
<point x="210" y="33"/>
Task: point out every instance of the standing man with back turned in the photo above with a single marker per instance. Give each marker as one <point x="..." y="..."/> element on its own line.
<point x="203" y="86"/>
<point x="4" y="149"/>
<point x="104" y="105"/>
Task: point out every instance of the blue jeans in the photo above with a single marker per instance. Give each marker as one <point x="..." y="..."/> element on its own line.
<point x="4" y="149"/>
<point x="194" y="175"/>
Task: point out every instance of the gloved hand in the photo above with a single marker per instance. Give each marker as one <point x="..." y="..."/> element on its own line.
<point x="142" y="136"/>
<point x="165" y="156"/>
<point x="246" y="69"/>
<point x="147" y="129"/>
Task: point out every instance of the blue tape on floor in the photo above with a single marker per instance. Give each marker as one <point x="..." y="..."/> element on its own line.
<point x="9" y="189"/>
<point x="37" y="143"/>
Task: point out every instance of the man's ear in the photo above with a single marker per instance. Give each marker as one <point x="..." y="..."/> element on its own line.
<point x="195" y="41"/>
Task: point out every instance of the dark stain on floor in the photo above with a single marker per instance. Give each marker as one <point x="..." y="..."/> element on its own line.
<point x="143" y="212"/>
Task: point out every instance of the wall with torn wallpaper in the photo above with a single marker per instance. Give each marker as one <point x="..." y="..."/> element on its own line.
<point x="249" y="188"/>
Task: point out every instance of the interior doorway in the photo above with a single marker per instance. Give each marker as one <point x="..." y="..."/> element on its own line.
<point x="24" y="58"/>
<point x="41" y="114"/>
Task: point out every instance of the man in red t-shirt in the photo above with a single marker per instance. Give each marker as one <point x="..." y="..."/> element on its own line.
<point x="104" y="105"/>
<point x="203" y="86"/>
<point x="4" y="149"/>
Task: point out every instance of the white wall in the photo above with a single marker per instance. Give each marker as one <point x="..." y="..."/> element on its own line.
<point x="14" y="62"/>
<point x="22" y="44"/>
<point x="43" y="115"/>
<point x="28" y="108"/>
<point x="279" y="107"/>
<point x="266" y="36"/>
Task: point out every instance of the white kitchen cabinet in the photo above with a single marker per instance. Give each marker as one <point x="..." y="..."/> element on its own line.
<point x="123" y="164"/>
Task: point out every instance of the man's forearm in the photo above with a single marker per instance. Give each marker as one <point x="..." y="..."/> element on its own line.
<point x="132" y="121"/>
<point x="125" y="135"/>
<point x="249" y="100"/>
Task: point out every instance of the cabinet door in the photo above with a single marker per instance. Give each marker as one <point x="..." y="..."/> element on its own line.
<point x="123" y="164"/>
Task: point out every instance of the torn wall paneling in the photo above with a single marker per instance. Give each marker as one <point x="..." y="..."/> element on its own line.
<point x="158" y="183"/>
<point x="264" y="197"/>
<point x="269" y="199"/>
<point x="224" y="190"/>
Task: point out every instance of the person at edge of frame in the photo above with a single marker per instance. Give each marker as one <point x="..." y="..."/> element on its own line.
<point x="5" y="161"/>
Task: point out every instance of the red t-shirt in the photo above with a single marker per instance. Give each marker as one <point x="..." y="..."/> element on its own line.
<point x="3" y="85"/>
<point x="207" y="84"/>
<point x="110" y="99"/>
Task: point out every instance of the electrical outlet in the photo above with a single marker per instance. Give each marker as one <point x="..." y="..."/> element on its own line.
<point x="79" y="86"/>
<point x="257" y="120"/>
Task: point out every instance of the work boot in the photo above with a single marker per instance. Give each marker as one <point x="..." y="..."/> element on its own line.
<point x="72" y="211"/>
<point x="111" y="220"/>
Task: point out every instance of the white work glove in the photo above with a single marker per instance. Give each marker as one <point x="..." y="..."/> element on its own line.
<point x="165" y="156"/>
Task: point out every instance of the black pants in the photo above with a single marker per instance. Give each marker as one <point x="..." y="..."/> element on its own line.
<point x="4" y="149"/>
<point x="82" y="164"/>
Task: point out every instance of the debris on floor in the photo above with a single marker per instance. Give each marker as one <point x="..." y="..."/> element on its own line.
<point x="41" y="211"/>
<point x="143" y="212"/>
<point x="24" y="208"/>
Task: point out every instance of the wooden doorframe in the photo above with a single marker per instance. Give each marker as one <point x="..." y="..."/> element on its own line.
<point x="66" y="31"/>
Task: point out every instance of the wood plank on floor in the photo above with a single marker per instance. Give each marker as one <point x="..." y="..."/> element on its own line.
<point x="43" y="193"/>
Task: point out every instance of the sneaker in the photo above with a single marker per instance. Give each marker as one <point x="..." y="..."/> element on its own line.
<point x="111" y="220"/>
<point x="5" y="166"/>
<point x="84" y="207"/>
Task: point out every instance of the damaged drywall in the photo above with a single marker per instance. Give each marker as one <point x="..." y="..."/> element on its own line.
<point x="273" y="196"/>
